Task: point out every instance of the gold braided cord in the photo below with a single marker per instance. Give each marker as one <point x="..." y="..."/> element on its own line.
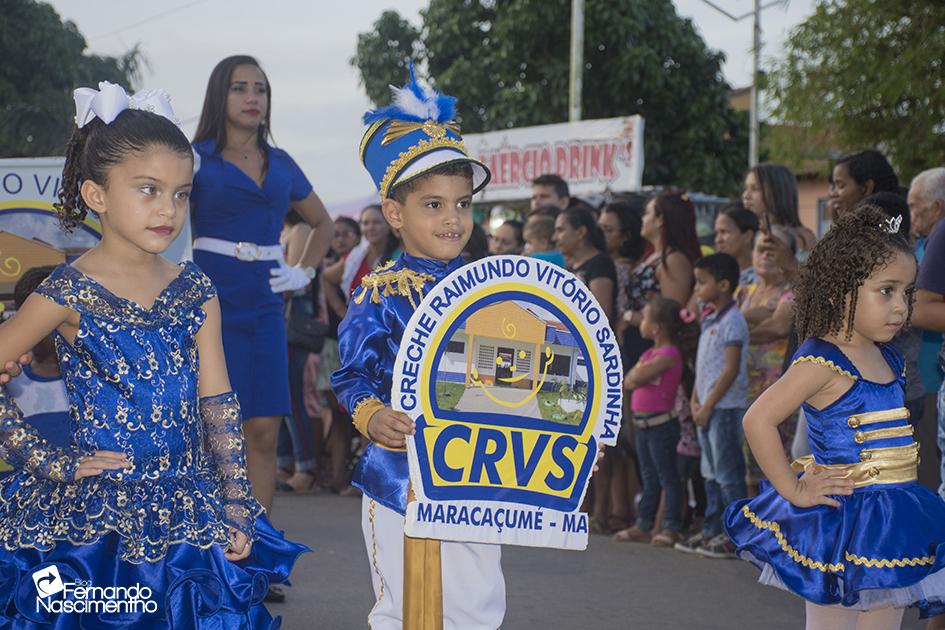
<point x="376" y="568"/>
<point x="405" y="158"/>
<point x="826" y="363"/>
<point x="795" y="555"/>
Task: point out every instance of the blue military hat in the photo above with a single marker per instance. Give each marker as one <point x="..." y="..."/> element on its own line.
<point x="413" y="135"/>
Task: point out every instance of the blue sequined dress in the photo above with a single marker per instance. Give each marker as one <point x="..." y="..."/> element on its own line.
<point x="131" y="374"/>
<point x="885" y="545"/>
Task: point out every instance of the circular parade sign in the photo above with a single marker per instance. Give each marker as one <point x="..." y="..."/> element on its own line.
<point x="512" y="374"/>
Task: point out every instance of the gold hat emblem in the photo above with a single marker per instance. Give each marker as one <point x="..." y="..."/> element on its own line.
<point x="400" y="128"/>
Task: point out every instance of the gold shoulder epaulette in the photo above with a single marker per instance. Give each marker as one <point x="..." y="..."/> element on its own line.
<point x="383" y="282"/>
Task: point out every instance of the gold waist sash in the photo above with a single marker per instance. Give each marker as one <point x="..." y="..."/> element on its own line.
<point x="897" y="464"/>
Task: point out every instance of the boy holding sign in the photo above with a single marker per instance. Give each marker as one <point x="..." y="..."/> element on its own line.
<point x="426" y="181"/>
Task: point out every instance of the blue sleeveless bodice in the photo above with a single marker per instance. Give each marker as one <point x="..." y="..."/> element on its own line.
<point x="885" y="545"/>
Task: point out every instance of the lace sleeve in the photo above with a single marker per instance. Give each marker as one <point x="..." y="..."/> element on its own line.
<point x="22" y="447"/>
<point x="223" y="429"/>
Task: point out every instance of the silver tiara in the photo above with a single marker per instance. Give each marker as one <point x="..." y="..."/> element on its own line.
<point x="893" y="223"/>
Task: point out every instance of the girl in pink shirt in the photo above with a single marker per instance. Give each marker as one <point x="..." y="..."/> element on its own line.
<point x="654" y="382"/>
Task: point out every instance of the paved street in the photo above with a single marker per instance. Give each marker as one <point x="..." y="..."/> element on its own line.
<point x="611" y="586"/>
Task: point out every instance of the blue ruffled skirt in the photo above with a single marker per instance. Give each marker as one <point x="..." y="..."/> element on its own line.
<point x="190" y="587"/>
<point x="883" y="547"/>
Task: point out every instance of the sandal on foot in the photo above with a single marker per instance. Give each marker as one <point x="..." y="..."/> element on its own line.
<point x="301" y="483"/>
<point x="632" y="534"/>
<point x="666" y="538"/>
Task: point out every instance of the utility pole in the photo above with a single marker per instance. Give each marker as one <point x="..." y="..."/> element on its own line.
<point x="577" y="60"/>
<point x="755" y="73"/>
<point x="753" y="139"/>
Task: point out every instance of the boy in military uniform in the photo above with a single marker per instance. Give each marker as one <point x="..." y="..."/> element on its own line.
<point x="426" y="181"/>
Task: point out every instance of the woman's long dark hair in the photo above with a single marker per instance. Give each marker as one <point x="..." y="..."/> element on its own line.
<point x="679" y="225"/>
<point x="870" y="165"/>
<point x="213" y="117"/>
<point x="633" y="245"/>
<point x="779" y="191"/>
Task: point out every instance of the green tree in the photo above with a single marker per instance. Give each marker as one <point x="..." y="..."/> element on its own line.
<point x="866" y="73"/>
<point x="382" y="54"/>
<point x="508" y="62"/>
<point x="43" y="62"/>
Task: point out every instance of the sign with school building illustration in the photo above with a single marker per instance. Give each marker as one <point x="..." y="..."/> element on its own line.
<point x="512" y="374"/>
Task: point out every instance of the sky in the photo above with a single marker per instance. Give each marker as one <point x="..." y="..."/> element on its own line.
<point x="305" y="47"/>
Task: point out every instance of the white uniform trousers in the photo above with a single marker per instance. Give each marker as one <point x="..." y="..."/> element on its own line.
<point x="473" y="584"/>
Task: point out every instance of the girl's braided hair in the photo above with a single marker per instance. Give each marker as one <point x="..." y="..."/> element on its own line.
<point x="857" y="245"/>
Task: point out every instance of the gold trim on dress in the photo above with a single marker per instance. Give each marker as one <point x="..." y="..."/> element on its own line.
<point x="883" y="563"/>
<point x="872" y="563"/>
<point x="881" y="434"/>
<point x="878" y="466"/>
<point x="872" y="417"/>
<point x="826" y="363"/>
<point x="795" y="555"/>
<point x="891" y="452"/>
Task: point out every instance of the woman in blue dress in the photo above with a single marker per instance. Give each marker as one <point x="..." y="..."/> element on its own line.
<point x="145" y="520"/>
<point x="242" y="192"/>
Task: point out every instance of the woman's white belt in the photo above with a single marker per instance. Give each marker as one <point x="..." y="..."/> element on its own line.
<point x="247" y="252"/>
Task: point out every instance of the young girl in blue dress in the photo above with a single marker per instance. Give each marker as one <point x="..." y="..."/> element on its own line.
<point x="848" y="528"/>
<point x="152" y="495"/>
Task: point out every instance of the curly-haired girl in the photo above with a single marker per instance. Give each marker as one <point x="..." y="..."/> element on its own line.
<point x="847" y="528"/>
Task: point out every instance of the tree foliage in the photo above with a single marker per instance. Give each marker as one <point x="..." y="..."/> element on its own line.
<point x="382" y="54"/>
<point x="867" y="73"/>
<point x="43" y="62"/>
<point x="508" y="63"/>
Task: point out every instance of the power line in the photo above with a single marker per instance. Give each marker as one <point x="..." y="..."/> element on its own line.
<point x="156" y="16"/>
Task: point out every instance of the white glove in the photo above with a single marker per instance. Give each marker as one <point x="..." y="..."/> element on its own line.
<point x="285" y="278"/>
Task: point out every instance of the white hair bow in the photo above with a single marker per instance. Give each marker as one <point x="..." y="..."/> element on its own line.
<point x="109" y="100"/>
